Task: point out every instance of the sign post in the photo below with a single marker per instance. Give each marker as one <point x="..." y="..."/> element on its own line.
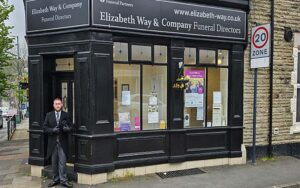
<point x="260" y="58"/>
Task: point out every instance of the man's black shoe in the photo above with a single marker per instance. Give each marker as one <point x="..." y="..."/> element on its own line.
<point x="67" y="184"/>
<point x="53" y="183"/>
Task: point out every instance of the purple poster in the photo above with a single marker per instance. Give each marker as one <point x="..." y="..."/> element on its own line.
<point x="196" y="81"/>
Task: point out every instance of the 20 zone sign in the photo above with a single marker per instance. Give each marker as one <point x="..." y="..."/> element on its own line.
<point x="260" y="41"/>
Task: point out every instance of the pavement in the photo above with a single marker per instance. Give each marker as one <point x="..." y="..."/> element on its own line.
<point x="281" y="171"/>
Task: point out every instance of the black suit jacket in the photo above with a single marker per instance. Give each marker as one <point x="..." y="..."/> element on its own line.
<point x="50" y="124"/>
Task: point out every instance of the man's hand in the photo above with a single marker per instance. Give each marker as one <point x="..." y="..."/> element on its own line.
<point x="55" y="130"/>
<point x="66" y="129"/>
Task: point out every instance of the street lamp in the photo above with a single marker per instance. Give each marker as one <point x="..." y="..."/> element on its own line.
<point x="19" y="73"/>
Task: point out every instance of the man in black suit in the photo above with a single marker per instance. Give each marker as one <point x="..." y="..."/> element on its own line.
<point x="57" y="125"/>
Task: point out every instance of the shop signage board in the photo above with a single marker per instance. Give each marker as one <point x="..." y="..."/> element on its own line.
<point x="260" y="46"/>
<point x="44" y="15"/>
<point x="165" y="17"/>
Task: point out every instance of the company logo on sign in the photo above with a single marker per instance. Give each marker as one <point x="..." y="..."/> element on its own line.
<point x="116" y="2"/>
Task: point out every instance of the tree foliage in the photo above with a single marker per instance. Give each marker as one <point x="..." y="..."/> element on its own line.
<point x="6" y="43"/>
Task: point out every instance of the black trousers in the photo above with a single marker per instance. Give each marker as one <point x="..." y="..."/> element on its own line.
<point x="59" y="160"/>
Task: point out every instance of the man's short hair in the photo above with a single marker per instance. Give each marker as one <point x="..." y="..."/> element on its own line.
<point x="57" y="99"/>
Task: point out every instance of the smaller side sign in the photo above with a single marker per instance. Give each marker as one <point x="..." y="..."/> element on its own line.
<point x="260" y="46"/>
<point x="44" y="15"/>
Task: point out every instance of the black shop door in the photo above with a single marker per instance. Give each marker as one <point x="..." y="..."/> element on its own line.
<point x="64" y="89"/>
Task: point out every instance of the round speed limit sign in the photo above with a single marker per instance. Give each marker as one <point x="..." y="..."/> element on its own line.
<point x="260" y="41"/>
<point x="260" y="37"/>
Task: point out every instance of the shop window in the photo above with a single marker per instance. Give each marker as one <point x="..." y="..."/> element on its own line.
<point x="120" y="52"/>
<point x="223" y="57"/>
<point x="207" y="56"/>
<point x="141" y="53"/>
<point x="190" y="56"/>
<point x="154" y="97"/>
<point x="140" y="90"/>
<point x="217" y="96"/>
<point x="64" y="64"/>
<point x="206" y="93"/>
<point x="160" y="54"/>
<point x="127" y="99"/>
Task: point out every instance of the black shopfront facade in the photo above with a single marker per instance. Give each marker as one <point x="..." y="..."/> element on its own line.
<point x="116" y="64"/>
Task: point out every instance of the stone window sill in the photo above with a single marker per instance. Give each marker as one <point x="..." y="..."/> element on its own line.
<point x="295" y="129"/>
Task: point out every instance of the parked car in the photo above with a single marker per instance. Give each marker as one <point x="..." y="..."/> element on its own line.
<point x="9" y="113"/>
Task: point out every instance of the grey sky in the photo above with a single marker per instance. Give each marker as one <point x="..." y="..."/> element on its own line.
<point x="17" y="19"/>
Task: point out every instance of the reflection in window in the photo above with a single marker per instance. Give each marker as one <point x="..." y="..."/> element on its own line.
<point x="217" y="95"/>
<point x="190" y="56"/>
<point x="154" y="97"/>
<point x="207" y="56"/>
<point x="194" y="98"/>
<point x="127" y="101"/>
<point x="120" y="51"/>
<point x="223" y="57"/>
<point x="141" y="53"/>
<point x="64" y="64"/>
<point x="64" y="96"/>
<point x="160" y="54"/>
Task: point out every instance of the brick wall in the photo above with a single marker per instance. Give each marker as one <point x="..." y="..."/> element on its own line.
<point x="287" y="14"/>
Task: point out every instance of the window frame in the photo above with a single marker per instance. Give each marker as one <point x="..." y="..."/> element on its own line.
<point x="297" y="120"/>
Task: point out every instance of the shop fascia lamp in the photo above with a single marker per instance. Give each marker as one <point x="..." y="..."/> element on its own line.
<point x="181" y="80"/>
<point x="180" y="64"/>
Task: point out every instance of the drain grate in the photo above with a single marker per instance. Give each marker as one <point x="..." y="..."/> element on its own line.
<point x="179" y="173"/>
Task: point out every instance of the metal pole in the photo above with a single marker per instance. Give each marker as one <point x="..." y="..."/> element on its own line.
<point x="270" y="148"/>
<point x="19" y="74"/>
<point x="254" y="118"/>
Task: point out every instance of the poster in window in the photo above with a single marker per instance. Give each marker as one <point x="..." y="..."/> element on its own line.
<point x="124" y="121"/>
<point x="217" y="97"/>
<point x="126" y="98"/>
<point x="153" y="100"/>
<point x="200" y="113"/>
<point x="153" y="116"/>
<point x="137" y="123"/>
<point x="217" y="117"/>
<point x="194" y="93"/>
